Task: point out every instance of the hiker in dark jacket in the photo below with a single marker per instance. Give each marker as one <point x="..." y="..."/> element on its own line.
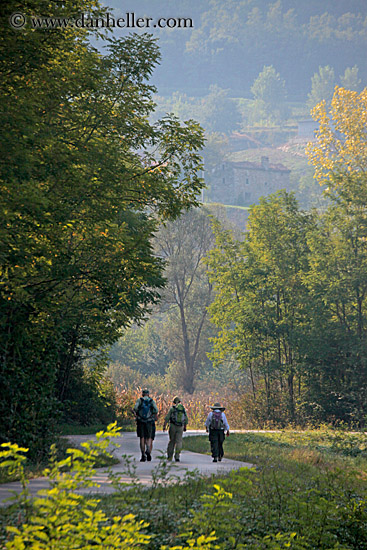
<point x="216" y="424"/>
<point x="146" y="412"/>
<point x="177" y="420"/>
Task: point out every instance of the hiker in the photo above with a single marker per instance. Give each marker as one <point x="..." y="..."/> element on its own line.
<point x="216" y="424"/>
<point x="146" y="412"/>
<point x="177" y="420"/>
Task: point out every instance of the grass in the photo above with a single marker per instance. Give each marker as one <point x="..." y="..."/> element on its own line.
<point x="338" y="446"/>
<point x="228" y="205"/>
<point x="308" y="491"/>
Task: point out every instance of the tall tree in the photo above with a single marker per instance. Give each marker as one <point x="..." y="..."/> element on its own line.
<point x="350" y="79"/>
<point x="269" y="93"/>
<point x="322" y="86"/>
<point x="183" y="244"/>
<point x="85" y="178"/>
<point x="339" y="252"/>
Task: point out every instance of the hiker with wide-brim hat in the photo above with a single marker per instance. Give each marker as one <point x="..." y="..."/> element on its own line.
<point x="217" y="426"/>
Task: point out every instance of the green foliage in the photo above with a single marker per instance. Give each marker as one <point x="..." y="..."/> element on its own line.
<point x="260" y="298"/>
<point x="219" y="112"/>
<point x="216" y="111"/>
<point x="142" y="348"/>
<point x="84" y="180"/>
<point x="350" y="79"/>
<point x="301" y="495"/>
<point x="291" y="296"/>
<point x="322" y="88"/>
<point x="239" y="37"/>
<point x="269" y="92"/>
<point x="304" y="493"/>
<point x="62" y="518"/>
<point x="338" y="260"/>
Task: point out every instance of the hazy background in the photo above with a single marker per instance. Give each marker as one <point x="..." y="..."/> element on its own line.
<point x="232" y="40"/>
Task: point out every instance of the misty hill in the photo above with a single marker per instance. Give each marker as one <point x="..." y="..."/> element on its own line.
<point x="232" y="41"/>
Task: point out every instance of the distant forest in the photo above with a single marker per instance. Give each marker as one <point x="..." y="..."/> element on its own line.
<point x="232" y="40"/>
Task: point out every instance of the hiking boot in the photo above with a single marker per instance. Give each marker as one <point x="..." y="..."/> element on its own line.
<point x="177" y="458"/>
<point x="149" y="457"/>
<point x="215" y="459"/>
<point x="220" y="458"/>
<point x="143" y="459"/>
<point x="169" y="458"/>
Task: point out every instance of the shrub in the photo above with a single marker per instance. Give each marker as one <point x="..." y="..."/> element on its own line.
<point x="62" y="519"/>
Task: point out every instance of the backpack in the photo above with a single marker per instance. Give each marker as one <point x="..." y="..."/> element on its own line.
<point x="145" y="413"/>
<point x="216" y="422"/>
<point x="178" y="415"/>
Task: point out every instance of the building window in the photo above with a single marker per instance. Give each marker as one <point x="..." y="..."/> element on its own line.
<point x="247" y="196"/>
<point x="223" y="181"/>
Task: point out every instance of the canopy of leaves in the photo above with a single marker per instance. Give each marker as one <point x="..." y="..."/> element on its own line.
<point x="84" y="179"/>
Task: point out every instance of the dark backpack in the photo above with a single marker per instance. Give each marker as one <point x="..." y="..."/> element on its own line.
<point x="178" y="415"/>
<point x="145" y="412"/>
<point x="216" y="422"/>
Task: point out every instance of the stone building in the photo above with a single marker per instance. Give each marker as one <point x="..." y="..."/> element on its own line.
<point x="243" y="183"/>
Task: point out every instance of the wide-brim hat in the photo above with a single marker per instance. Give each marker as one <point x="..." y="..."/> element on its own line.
<point x="218" y="406"/>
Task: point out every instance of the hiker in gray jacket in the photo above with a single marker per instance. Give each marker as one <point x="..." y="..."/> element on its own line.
<point x="216" y="424"/>
<point x="177" y="420"/>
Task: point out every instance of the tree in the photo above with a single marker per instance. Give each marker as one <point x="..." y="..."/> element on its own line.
<point x="339" y="251"/>
<point x="350" y="79"/>
<point x="322" y="87"/>
<point x="183" y="244"/>
<point x="270" y="94"/>
<point x="217" y="112"/>
<point x="143" y="349"/>
<point x="340" y="152"/>
<point x="85" y="179"/>
<point x="260" y="298"/>
<point x="214" y="153"/>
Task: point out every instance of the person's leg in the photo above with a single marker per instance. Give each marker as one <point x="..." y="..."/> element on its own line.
<point x="150" y="434"/>
<point x="142" y="449"/>
<point x="213" y="438"/>
<point x="148" y="448"/>
<point x="178" y="440"/>
<point x="221" y="438"/>
<point x="171" y="443"/>
<point x="140" y="434"/>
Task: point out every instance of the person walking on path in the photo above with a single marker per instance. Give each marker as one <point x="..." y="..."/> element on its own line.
<point x="146" y="412"/>
<point x="216" y="424"/>
<point x="177" y="420"/>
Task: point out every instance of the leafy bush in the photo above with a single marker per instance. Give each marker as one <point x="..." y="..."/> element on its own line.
<point x="305" y="493"/>
<point x="62" y="518"/>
